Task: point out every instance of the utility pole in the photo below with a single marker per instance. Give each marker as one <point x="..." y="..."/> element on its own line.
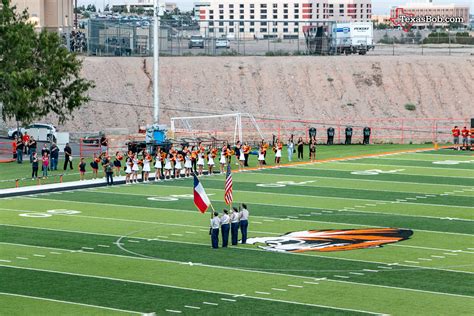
<point x="156" y="53"/>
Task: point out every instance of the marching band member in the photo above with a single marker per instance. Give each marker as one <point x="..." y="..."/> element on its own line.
<point x="278" y="147"/>
<point x="128" y="169"/>
<point x="146" y="166"/>
<point x="135" y="168"/>
<point x="118" y="163"/>
<point x="223" y="159"/>
<point x="261" y="156"/>
<point x="200" y="162"/>
<point x="229" y="153"/>
<point x="312" y="149"/>
<point x="168" y="167"/>
<point x="247" y="149"/>
<point x="194" y="158"/>
<point x="158" y="164"/>
<point x="265" y="148"/>
<point x="178" y="165"/>
<point x="188" y="164"/>
<point x="210" y="161"/>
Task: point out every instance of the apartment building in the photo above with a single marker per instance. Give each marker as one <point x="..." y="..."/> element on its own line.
<point x="55" y="15"/>
<point x="432" y="10"/>
<point x="285" y="19"/>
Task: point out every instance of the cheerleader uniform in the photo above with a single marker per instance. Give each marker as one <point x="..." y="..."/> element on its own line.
<point x="117" y="163"/>
<point x="135" y="165"/>
<point x="222" y="161"/>
<point x="128" y="170"/>
<point x="261" y="156"/>
<point x="278" y="153"/>
<point x="158" y="162"/>
<point x="210" y="161"/>
<point x="146" y="165"/>
<point x="200" y="161"/>
<point x="168" y="164"/>
<point x="178" y="164"/>
<point x="242" y="155"/>
<point x="188" y="164"/>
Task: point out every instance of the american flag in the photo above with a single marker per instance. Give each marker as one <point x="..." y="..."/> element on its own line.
<point x="228" y="186"/>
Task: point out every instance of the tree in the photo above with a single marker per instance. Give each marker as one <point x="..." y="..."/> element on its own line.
<point x="107" y="8"/>
<point x="38" y="75"/>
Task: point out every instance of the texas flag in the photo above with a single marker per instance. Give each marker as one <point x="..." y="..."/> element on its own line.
<point x="201" y="200"/>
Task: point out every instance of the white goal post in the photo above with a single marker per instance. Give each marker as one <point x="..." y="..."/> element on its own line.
<point x="187" y="124"/>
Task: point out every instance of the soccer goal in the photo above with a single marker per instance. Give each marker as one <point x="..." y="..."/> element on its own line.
<point x="225" y="127"/>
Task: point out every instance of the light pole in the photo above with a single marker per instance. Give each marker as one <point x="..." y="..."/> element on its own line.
<point x="156" y="53"/>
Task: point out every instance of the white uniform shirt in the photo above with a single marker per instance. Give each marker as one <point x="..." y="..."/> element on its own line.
<point x="225" y="219"/>
<point x="244" y="214"/>
<point x="234" y="217"/>
<point x="215" y="222"/>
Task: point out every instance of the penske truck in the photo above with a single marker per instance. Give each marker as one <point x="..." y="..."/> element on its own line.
<point x="339" y="38"/>
<point x="351" y="38"/>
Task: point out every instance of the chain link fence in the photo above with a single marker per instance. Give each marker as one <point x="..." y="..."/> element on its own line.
<point x="103" y="37"/>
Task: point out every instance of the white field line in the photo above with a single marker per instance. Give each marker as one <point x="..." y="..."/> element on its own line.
<point x="277" y="289"/>
<point x="173" y="311"/>
<point x="243" y="249"/>
<point x="73" y="303"/>
<point x="192" y="307"/>
<point x="195" y="290"/>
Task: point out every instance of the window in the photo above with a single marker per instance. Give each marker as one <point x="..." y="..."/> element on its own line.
<point x="330" y="5"/>
<point x="252" y="5"/>
<point x="285" y="5"/>
<point x="263" y="30"/>
<point x="285" y="23"/>
<point x="263" y="17"/>
<point x="241" y="11"/>
<point x="221" y="23"/>
<point x="241" y="30"/>
<point x="221" y="11"/>
<point x="341" y="11"/>
<point x="341" y="6"/>
<point x="252" y="17"/>
<point x="211" y="30"/>
<point x="221" y="6"/>
<point x="263" y="5"/>
<point x="297" y="5"/>
<point x="241" y="17"/>
<point x="285" y="30"/>
<point x="221" y="17"/>
<point x="231" y="17"/>
<point x="221" y="30"/>
<point x="252" y="11"/>
<point x="263" y="23"/>
<point x="231" y="30"/>
<point x="296" y="24"/>
<point x="231" y="6"/>
<point x="275" y="16"/>
<point x="231" y="23"/>
<point x="275" y="11"/>
<point x="275" y="5"/>
<point x="241" y="23"/>
<point x="297" y="16"/>
<point x="241" y="5"/>
<point x="274" y="30"/>
<point x="211" y="23"/>
<point x="263" y="11"/>
<point x="252" y="23"/>
<point x="211" y="11"/>
<point x="231" y="11"/>
<point x="211" y="17"/>
<point x="295" y="30"/>
<point x="251" y="30"/>
<point x="285" y="16"/>
<point x="297" y="11"/>
<point x="285" y="11"/>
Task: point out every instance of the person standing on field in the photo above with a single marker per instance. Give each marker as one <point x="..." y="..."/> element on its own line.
<point x="244" y="222"/>
<point x="465" y="135"/>
<point x="215" y="224"/>
<point x="54" y="156"/>
<point x="67" y="157"/>
<point x="456" y="132"/>
<point x="234" y="226"/>
<point x="290" y="147"/>
<point x="225" y="227"/>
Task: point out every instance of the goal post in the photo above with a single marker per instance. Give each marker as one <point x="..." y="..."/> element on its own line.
<point x="217" y="126"/>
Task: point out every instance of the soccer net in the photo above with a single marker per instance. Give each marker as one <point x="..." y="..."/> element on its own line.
<point x="215" y="128"/>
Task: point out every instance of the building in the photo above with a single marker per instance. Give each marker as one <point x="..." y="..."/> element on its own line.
<point x="55" y="15"/>
<point x="285" y="19"/>
<point x="429" y="9"/>
<point x="381" y="19"/>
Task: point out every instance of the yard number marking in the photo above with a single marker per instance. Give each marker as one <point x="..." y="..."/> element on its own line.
<point x="373" y="172"/>
<point x="280" y="184"/>
<point x="50" y="213"/>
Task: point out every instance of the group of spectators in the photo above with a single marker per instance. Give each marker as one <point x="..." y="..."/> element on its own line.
<point x="465" y="133"/>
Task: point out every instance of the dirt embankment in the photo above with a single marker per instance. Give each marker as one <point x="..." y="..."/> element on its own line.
<point x="323" y="88"/>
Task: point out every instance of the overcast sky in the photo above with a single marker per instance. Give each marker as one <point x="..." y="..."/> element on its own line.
<point x="379" y="6"/>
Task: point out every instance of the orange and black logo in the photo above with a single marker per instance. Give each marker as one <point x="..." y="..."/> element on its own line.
<point x="332" y="239"/>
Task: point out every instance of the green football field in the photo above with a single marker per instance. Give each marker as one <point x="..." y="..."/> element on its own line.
<point x="144" y="248"/>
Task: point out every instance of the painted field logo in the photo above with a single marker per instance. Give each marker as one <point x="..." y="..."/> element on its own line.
<point x="332" y="240"/>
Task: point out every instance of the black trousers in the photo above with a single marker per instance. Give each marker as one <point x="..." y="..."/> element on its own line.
<point x="330" y="140"/>
<point x="66" y="160"/>
<point x="34" y="173"/>
<point x="215" y="238"/>
<point x="246" y="163"/>
<point x="300" y="152"/>
<point x="366" y="139"/>
<point x="109" y="177"/>
<point x="348" y="140"/>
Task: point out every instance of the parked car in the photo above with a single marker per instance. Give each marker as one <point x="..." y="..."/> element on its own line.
<point x="196" y="41"/>
<point x="222" y="43"/>
<point x="40" y="131"/>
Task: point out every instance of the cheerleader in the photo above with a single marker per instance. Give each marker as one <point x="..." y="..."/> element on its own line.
<point x="178" y="166"/>
<point x="135" y="168"/>
<point x="146" y="167"/>
<point x="210" y="160"/>
<point x="265" y="147"/>
<point x="168" y="167"/>
<point x="239" y="153"/>
<point x="95" y="166"/>
<point x="200" y="162"/>
<point x="261" y="157"/>
<point x="223" y="159"/>
<point x="188" y="165"/>
<point x="278" y="147"/>
<point x="118" y="163"/>
<point x="158" y="165"/>
<point x="128" y="167"/>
